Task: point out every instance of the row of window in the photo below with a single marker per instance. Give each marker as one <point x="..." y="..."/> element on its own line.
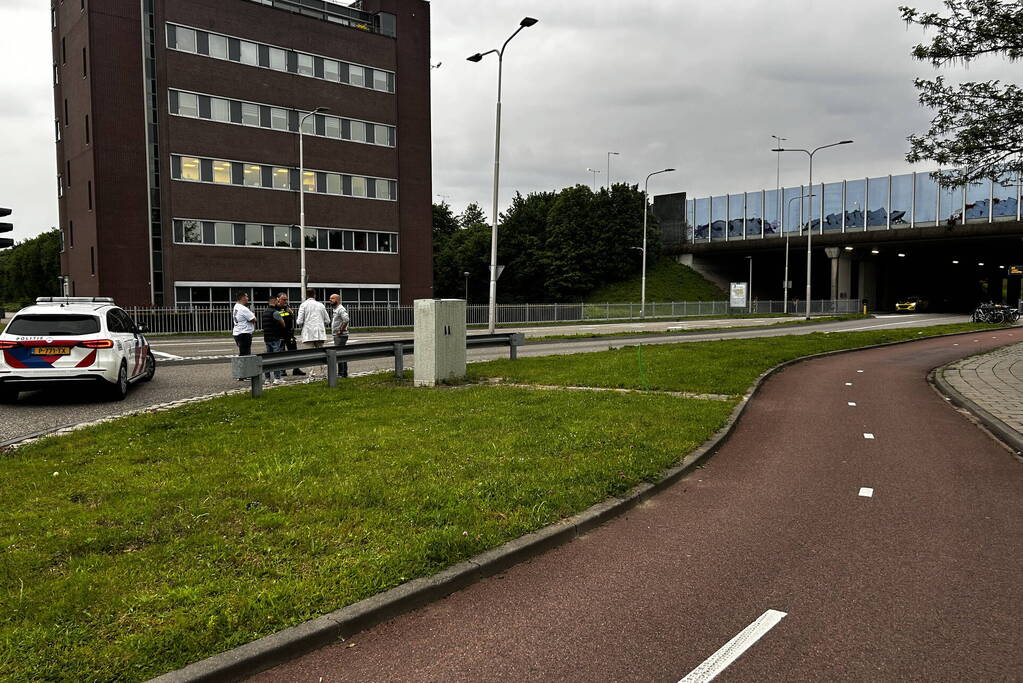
<point x="246" y="174"/>
<point x="225" y="110"/>
<point x="220" y="233"/>
<point x="269" y="57"/>
<point x="259" y="295"/>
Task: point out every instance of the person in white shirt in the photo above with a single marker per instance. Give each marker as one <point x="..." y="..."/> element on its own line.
<point x="244" y="324"/>
<point x="313" y="319"/>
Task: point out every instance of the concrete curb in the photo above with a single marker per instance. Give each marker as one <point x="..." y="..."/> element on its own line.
<point x="1001" y="431"/>
<point x="283" y="646"/>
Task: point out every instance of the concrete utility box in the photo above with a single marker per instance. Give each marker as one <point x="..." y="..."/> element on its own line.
<point x="440" y="341"/>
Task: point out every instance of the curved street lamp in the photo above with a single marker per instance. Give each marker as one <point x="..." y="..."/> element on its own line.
<point x="809" y="231"/>
<point x="525" y="23"/>
<point x="594" y="172"/>
<point x="642" y="293"/>
<point x="301" y="199"/>
<point x="609" y="154"/>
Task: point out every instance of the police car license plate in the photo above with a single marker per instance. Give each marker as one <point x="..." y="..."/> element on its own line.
<point x="51" y="350"/>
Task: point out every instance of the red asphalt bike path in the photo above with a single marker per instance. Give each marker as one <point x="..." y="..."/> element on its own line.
<point x="923" y="581"/>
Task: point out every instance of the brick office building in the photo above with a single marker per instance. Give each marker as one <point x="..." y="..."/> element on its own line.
<point x="178" y="148"/>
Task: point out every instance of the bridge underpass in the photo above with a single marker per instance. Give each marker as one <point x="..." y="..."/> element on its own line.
<point x="952" y="267"/>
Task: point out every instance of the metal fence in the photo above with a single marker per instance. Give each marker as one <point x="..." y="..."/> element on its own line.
<point x="218" y="319"/>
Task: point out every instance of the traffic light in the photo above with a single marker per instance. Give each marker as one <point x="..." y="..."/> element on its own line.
<point x="5" y="227"/>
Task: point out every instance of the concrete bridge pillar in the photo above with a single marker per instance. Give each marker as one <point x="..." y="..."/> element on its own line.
<point x="841" y="273"/>
<point x="868" y="283"/>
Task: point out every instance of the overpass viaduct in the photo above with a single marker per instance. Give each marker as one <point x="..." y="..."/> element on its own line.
<point x="880" y="239"/>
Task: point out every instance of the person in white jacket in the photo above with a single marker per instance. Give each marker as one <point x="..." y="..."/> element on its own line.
<point x="314" y="320"/>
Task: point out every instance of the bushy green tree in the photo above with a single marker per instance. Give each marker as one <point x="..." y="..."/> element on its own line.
<point x="30" y="268"/>
<point x="978" y="126"/>
<point x="520" y="248"/>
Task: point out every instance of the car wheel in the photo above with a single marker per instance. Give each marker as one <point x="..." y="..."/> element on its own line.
<point x="8" y="394"/>
<point x="150" y="367"/>
<point x="119" y="389"/>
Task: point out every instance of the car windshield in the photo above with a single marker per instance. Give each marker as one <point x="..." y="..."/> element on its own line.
<point x="53" y="325"/>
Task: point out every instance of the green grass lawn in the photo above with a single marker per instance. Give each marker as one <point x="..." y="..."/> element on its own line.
<point x="666" y="280"/>
<point x="135" y="547"/>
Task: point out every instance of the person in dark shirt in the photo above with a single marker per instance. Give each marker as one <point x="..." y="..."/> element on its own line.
<point x="274" y="330"/>
<point x="288" y="315"/>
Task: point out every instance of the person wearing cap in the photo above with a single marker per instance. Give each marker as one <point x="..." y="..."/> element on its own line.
<point x="339" y="328"/>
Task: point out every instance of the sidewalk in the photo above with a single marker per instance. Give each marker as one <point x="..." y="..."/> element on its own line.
<point x="991" y="385"/>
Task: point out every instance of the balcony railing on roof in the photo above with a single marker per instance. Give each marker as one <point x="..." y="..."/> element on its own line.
<point x="330" y="12"/>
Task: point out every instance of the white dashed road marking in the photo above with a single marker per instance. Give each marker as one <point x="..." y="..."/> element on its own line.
<point x="848" y="384"/>
<point x="852" y="403"/>
<point x="868" y="435"/>
<point x="733" y="649"/>
<point x="859" y="371"/>
<point x="867" y="493"/>
<point x="168" y="356"/>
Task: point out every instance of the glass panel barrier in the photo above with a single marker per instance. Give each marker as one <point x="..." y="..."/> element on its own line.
<point x="771" y="214"/>
<point x="925" y="211"/>
<point x="791" y="207"/>
<point x="702" y="220"/>
<point x="855" y="200"/>
<point x="833" y="206"/>
<point x="690" y="219"/>
<point x="718" y="212"/>
<point x="877" y="203"/>
<point x="978" y="202"/>
<point x="1006" y="200"/>
<point x="902" y="200"/>
<point x="950" y="204"/>
<point x="754" y="210"/>
<point x="814" y="205"/>
<point x="736" y="214"/>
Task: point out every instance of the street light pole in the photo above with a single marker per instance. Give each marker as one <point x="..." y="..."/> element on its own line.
<point x="609" y="169"/>
<point x="301" y="199"/>
<point x="594" y="172"/>
<point x="525" y="23"/>
<point x="642" y="292"/>
<point x="785" y="285"/>
<point x="777" y="203"/>
<point x="466" y="274"/>
<point x="809" y="231"/>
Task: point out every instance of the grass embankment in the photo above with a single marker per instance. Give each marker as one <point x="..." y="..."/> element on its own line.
<point x="135" y="547"/>
<point x="666" y="280"/>
<point x="596" y="334"/>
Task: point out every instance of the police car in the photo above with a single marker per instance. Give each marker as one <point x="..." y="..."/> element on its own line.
<point x="73" y="339"/>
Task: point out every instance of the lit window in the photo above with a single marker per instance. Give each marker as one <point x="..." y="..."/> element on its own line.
<point x="331" y="70"/>
<point x="222" y="172"/>
<point x="250" y="114"/>
<point x="253" y="175"/>
<point x="356" y="75"/>
<point x="188" y="104"/>
<point x="333" y="183"/>
<point x="379" y="80"/>
<point x="358" y="186"/>
<point x="254" y="235"/>
<point x="249" y="53"/>
<point x="309" y="181"/>
<point x="358" y="131"/>
<point x="185" y="39"/>
<point x="282" y="179"/>
<point x="278" y="59"/>
<point x="218" y="46"/>
<point x="189" y="168"/>
<point x="220" y="110"/>
<point x="382" y="135"/>
<point x="305" y="64"/>
<point x="279" y="119"/>
<point x="332" y="127"/>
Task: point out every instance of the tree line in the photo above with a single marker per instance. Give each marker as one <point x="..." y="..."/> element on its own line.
<point x="555" y="246"/>
<point x="30" y="268"/>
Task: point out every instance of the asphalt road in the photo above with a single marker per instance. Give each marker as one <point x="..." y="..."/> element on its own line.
<point x="919" y="581"/>
<point x="41" y="410"/>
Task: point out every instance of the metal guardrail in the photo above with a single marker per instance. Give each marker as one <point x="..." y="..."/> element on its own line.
<point x="253" y="367"/>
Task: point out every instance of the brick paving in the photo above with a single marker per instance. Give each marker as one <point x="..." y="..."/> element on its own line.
<point x="994" y="381"/>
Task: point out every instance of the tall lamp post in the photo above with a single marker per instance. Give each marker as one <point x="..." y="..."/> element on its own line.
<point x="301" y="198"/>
<point x="594" y="172"/>
<point x="525" y="23"/>
<point x="785" y="285"/>
<point x="642" y="287"/>
<point x="777" y="202"/>
<point x="466" y="274"/>
<point x="609" y="169"/>
<point x="809" y="231"/>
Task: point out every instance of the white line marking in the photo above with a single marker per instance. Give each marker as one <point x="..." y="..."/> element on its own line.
<point x="868" y="435"/>
<point x="168" y="356"/>
<point x="859" y="371"/>
<point x="902" y="322"/>
<point x="955" y="345"/>
<point x="867" y="493"/>
<point x="848" y="384"/>
<point x="853" y="404"/>
<point x="733" y="649"/>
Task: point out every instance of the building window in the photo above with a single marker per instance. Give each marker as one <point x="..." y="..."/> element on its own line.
<point x="253" y="175"/>
<point x="305" y="64"/>
<point x="71" y="234"/>
<point x="279" y="119"/>
<point x="85" y="64"/>
<point x="189" y="168"/>
<point x="250" y="114"/>
<point x="358" y="186"/>
<point x="67" y="172"/>
<point x="56" y="74"/>
<point x="63" y="50"/>
<point x="184" y="39"/>
<point x="249" y="53"/>
<point x="90" y="194"/>
<point x="281" y="179"/>
<point x="218" y="46"/>
<point x="60" y="185"/>
<point x="188" y="104"/>
<point x="65" y="112"/>
<point x="222" y="172"/>
<point x="220" y="110"/>
<point x="357" y="75"/>
<point x="92" y="259"/>
<point x="56" y="125"/>
<point x="88" y="134"/>
<point x="225" y="234"/>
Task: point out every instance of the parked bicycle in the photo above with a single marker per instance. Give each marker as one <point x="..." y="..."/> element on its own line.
<point x="996" y="314"/>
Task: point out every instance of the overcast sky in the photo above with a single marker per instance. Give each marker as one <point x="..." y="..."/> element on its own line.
<point x="699" y="85"/>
